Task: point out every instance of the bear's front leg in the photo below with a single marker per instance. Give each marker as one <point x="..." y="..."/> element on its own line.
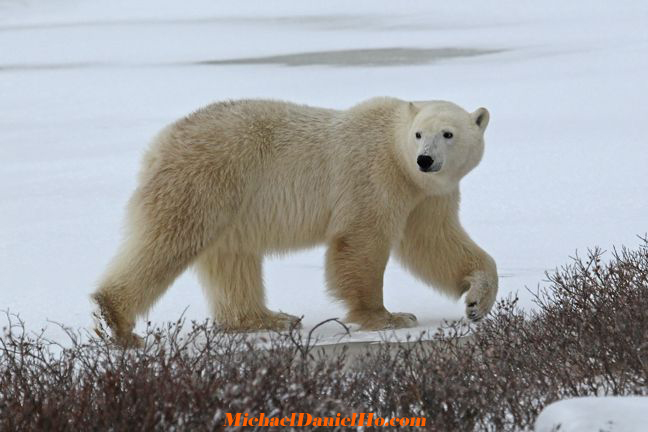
<point x="355" y="265"/>
<point x="481" y="290"/>
<point x="437" y="249"/>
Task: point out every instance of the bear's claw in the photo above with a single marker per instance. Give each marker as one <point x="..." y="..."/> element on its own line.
<point x="402" y="320"/>
<point x="480" y="296"/>
<point x="269" y="320"/>
<point x="383" y="320"/>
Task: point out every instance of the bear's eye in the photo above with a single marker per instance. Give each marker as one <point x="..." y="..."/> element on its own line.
<point x="447" y="135"/>
<point x="418" y="135"/>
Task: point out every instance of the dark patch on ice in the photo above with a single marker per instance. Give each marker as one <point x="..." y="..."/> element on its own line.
<point x="369" y="57"/>
<point x="359" y="57"/>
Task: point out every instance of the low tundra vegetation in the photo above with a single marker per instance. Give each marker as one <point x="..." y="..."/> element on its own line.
<point x="588" y="336"/>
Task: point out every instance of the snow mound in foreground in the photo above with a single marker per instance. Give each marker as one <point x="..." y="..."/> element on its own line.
<point x="587" y="414"/>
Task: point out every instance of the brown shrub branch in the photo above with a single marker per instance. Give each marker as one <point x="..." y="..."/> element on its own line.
<point x="588" y="336"/>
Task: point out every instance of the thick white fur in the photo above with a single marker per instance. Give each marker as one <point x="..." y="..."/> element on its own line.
<point x="235" y="181"/>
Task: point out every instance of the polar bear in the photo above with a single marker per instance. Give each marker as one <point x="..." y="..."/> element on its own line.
<point x="235" y="181"/>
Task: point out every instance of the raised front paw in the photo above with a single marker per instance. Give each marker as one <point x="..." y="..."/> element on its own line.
<point x="481" y="294"/>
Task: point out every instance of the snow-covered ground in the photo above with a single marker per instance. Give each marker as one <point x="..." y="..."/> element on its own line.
<point x="587" y="414"/>
<point x="84" y="85"/>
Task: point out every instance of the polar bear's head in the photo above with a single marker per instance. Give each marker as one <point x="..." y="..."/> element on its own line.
<point x="444" y="142"/>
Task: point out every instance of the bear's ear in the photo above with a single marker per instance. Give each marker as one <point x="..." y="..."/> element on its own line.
<point x="412" y="109"/>
<point x="481" y="118"/>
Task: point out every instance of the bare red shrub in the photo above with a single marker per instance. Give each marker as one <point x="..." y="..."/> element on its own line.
<point x="588" y="336"/>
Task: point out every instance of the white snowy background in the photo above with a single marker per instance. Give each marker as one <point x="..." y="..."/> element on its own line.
<point x="84" y="85"/>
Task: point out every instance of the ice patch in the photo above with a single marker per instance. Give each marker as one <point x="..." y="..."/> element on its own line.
<point x="359" y="57"/>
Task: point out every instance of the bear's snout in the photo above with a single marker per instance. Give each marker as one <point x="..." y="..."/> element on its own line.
<point x="424" y="162"/>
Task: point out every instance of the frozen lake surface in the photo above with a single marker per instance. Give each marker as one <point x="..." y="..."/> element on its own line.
<point x="84" y="85"/>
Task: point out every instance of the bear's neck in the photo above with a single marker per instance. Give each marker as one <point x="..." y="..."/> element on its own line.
<point x="394" y="175"/>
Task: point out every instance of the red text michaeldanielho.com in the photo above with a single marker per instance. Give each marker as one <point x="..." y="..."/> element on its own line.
<point x="305" y="419"/>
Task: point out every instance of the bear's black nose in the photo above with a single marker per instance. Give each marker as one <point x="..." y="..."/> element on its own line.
<point x="424" y="162"/>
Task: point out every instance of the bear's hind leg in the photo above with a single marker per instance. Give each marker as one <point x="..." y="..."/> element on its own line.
<point x="233" y="284"/>
<point x="137" y="277"/>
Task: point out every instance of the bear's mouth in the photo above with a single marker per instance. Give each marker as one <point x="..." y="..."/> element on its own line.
<point x="431" y="169"/>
